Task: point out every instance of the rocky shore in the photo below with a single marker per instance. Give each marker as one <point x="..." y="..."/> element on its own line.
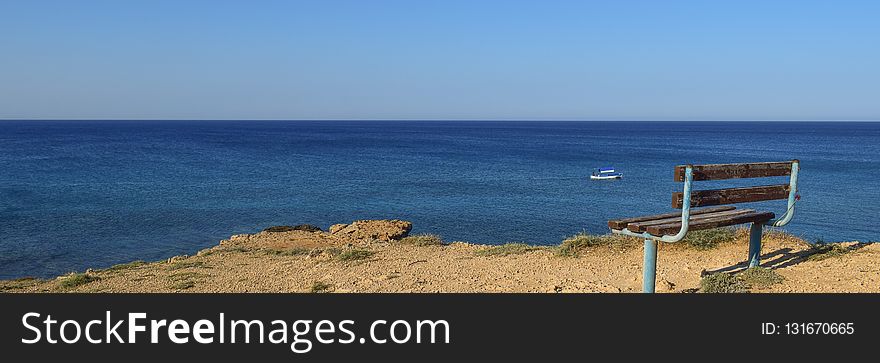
<point x="381" y="256"/>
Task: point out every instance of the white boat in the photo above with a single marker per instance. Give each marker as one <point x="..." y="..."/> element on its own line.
<point x="605" y="174"/>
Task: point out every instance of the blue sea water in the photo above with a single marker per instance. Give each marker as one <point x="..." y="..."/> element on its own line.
<point x="79" y="194"/>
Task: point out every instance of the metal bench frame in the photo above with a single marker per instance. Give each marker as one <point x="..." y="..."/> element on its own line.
<point x="649" y="275"/>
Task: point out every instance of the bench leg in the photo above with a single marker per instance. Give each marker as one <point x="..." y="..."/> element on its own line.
<point x="755" y="244"/>
<point x="649" y="275"/>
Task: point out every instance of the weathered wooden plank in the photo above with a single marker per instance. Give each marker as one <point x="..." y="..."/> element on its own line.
<point x="734" y="171"/>
<point x="643" y="226"/>
<point x="700" y="198"/>
<point x="673" y="228"/>
<point x="621" y="223"/>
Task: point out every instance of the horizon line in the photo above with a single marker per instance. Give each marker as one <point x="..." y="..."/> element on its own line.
<point x="439" y="119"/>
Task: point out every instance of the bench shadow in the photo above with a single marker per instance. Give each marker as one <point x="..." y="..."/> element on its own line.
<point x="781" y="258"/>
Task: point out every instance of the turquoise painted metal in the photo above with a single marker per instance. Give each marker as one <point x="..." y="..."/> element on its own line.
<point x="792" y="197"/>
<point x="757" y="229"/>
<point x="755" y="244"/>
<point x="649" y="273"/>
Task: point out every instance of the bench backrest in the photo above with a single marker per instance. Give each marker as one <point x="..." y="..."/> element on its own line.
<point x="701" y="198"/>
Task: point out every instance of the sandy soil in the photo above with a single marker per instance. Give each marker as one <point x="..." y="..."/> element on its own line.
<point x="301" y="261"/>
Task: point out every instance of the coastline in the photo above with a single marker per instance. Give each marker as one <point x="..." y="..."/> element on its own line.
<point x="379" y="256"/>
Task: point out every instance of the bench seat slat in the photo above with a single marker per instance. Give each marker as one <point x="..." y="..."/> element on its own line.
<point x="673" y="228"/>
<point x="643" y="226"/>
<point x="622" y="223"/>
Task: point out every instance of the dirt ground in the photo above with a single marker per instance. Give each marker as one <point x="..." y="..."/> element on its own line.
<point x="357" y="261"/>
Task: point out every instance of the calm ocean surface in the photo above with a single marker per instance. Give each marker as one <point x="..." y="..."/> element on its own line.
<point x="77" y="194"/>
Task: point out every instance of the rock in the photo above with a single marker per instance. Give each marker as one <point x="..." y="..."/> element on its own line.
<point x="298" y="227"/>
<point x="177" y="258"/>
<point x="307" y="228"/>
<point x="383" y="230"/>
<point x="336" y="227"/>
<point x="204" y="252"/>
<point x="390" y="276"/>
<point x="607" y="288"/>
<point x="236" y="238"/>
<point x="665" y="285"/>
<point x="321" y="255"/>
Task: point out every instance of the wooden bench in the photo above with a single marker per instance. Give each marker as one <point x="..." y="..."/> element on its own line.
<point x="673" y="227"/>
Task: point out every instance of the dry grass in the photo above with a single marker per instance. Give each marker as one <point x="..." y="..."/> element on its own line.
<point x="321" y="287"/>
<point x="722" y="283"/>
<point x="752" y="278"/>
<point x="296" y="251"/>
<point x="354" y="255"/>
<point x="823" y="251"/>
<point x="184" y="280"/>
<point x="706" y="239"/>
<point x="425" y="239"/>
<point x="183" y="285"/>
<point x="17" y="284"/>
<point x="760" y="278"/>
<point x="186" y="263"/>
<point x="574" y="245"/>
<point x="76" y="279"/>
<point x="125" y="266"/>
<point x="506" y="250"/>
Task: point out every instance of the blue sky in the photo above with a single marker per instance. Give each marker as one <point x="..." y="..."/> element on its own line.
<point x="325" y="59"/>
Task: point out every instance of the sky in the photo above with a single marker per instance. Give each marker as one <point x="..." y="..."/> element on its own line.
<point x="450" y="59"/>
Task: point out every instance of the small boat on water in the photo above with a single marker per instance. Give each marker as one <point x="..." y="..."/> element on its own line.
<point x="605" y="174"/>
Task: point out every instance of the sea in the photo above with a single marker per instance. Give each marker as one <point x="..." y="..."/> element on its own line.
<point x="91" y="194"/>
